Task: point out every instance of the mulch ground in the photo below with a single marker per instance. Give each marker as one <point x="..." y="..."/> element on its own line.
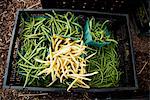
<point x="8" y="10"/>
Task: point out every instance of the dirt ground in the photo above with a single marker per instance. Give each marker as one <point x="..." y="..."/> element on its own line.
<point x="8" y="10"/>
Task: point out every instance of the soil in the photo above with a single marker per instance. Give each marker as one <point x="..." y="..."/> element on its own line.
<point x="8" y="10"/>
<point x="141" y="46"/>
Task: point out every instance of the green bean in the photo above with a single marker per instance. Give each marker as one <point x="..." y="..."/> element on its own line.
<point x="72" y="17"/>
<point x="112" y="40"/>
<point x="40" y="22"/>
<point x="34" y="78"/>
<point x="107" y="85"/>
<point x="24" y="59"/>
<point x="72" y="33"/>
<point x="37" y="46"/>
<point x="102" y="26"/>
<point x="27" y="76"/>
<point x="43" y="29"/>
<point x="53" y="30"/>
<point x="68" y="24"/>
<point x="31" y="55"/>
<point x="26" y="70"/>
<point x="44" y="52"/>
<point x="60" y="25"/>
<point x="38" y="49"/>
<point x="67" y="28"/>
<point x="58" y="28"/>
<point x="63" y="22"/>
<point x="32" y="35"/>
<point x="55" y="14"/>
<point x="99" y="69"/>
<point x="36" y="29"/>
<point x="28" y="24"/>
<point x="24" y="30"/>
<point x="49" y="15"/>
<point x="116" y="72"/>
<point x="77" y="25"/>
<point x="30" y="76"/>
<point x="31" y="67"/>
<point x="108" y="68"/>
<point x="75" y="19"/>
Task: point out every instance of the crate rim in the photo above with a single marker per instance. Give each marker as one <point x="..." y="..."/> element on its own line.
<point x="50" y="89"/>
<point x="84" y="11"/>
<point x="5" y="86"/>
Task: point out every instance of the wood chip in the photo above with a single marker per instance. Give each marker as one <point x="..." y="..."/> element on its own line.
<point x="34" y="5"/>
<point x="27" y="95"/>
<point x="143" y="67"/>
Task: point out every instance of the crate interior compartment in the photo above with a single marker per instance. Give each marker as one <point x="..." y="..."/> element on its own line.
<point x="120" y="30"/>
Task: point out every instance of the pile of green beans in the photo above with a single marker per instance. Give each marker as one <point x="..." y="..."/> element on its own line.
<point x="99" y="31"/>
<point x="65" y="24"/>
<point x="36" y="39"/>
<point x="106" y="61"/>
<point x="33" y="45"/>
